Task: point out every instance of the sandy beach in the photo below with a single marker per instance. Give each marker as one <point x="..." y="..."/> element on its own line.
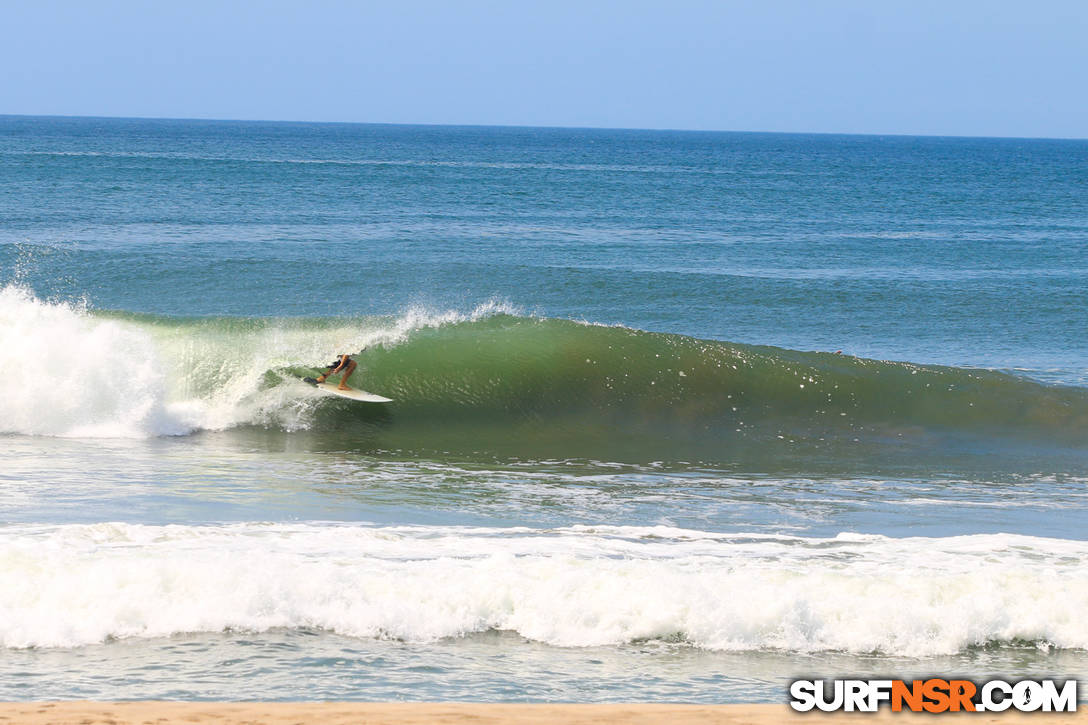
<point x="341" y="713"/>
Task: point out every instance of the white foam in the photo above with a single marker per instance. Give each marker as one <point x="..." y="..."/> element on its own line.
<point x="74" y="585"/>
<point x="63" y="373"/>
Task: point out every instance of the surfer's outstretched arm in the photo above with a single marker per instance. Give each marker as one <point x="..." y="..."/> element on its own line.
<point x="331" y="370"/>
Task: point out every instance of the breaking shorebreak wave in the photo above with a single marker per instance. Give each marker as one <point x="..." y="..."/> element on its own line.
<point x="72" y="585"/>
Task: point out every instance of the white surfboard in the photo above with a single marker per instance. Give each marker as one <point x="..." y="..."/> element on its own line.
<point x="353" y="393"/>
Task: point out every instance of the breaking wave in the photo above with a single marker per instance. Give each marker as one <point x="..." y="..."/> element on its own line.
<point x="493" y="380"/>
<point x="72" y="585"/>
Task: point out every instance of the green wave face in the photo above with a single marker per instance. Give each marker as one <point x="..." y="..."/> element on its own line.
<point x="531" y="387"/>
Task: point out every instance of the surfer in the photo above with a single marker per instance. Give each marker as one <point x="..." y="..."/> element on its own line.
<point x="345" y="365"/>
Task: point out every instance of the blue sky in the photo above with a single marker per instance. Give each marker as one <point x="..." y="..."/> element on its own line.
<point x="956" y="67"/>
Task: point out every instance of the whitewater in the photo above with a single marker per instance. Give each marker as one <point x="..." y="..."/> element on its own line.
<point x="573" y="587"/>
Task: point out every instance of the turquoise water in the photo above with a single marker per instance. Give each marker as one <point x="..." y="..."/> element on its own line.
<point x="677" y="416"/>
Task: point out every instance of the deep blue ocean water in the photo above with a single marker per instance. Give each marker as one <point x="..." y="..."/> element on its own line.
<point x="677" y="415"/>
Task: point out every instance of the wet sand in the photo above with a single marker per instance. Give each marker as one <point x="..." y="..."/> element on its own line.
<point x="340" y="713"/>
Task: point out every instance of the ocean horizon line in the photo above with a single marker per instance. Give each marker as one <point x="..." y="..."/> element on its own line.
<point x="389" y="124"/>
